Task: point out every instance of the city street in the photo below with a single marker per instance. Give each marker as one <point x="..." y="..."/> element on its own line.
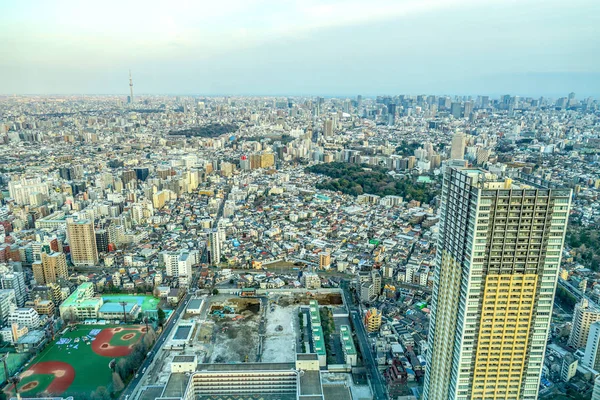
<point x="170" y="324"/>
<point x="377" y="383"/>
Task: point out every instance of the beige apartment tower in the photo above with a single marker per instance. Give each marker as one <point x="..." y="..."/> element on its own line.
<point x="324" y="260"/>
<point x="82" y="239"/>
<point x="584" y="315"/>
<point x="52" y="267"/>
<point x="457" y="151"/>
<point x="372" y="320"/>
<point x="497" y="261"/>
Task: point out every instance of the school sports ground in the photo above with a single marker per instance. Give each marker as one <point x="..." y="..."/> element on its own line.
<point x="78" y="361"/>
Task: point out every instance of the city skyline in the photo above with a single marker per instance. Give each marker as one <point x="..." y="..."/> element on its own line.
<point x="333" y="48"/>
<point x="267" y="230"/>
<point x="152" y="96"/>
<point x="302" y="199"/>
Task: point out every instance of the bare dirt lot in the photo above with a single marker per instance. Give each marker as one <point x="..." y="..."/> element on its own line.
<point x="235" y="341"/>
<point x="280" y="341"/>
<point x="240" y="305"/>
<point x="324" y="299"/>
<point x="235" y="335"/>
<point x="205" y="332"/>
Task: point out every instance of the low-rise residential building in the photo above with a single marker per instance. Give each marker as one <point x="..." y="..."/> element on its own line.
<point x="25" y="317"/>
<point x="43" y="307"/>
<point x="311" y="280"/>
<point x="32" y="342"/>
<point x="372" y="319"/>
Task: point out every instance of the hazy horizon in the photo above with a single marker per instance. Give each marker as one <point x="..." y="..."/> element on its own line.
<point x="328" y="48"/>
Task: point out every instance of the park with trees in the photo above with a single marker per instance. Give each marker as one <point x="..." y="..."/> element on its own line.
<point x="357" y="179"/>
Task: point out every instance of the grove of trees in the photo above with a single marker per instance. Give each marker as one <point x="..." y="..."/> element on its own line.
<point x="356" y="179"/>
<point x="127" y="366"/>
<point x="585" y="241"/>
<point x="208" y="131"/>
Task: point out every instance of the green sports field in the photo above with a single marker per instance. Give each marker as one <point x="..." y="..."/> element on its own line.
<point x="72" y="368"/>
<point x="117" y="340"/>
<point x="148" y="303"/>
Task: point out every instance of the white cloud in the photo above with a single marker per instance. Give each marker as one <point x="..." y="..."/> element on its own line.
<point x="116" y="30"/>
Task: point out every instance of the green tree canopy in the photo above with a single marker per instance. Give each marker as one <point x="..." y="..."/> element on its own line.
<point x="356" y="179"/>
<point x="161" y="314"/>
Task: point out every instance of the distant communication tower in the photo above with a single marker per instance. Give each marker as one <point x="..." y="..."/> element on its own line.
<point x="130" y="88"/>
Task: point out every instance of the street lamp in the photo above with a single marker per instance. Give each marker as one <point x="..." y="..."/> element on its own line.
<point x="15" y="381"/>
<point x="123" y="304"/>
<point x="4" y="358"/>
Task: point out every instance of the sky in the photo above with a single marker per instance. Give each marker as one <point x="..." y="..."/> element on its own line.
<point x="301" y="47"/>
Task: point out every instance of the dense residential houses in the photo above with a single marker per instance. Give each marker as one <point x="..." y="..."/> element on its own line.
<point x="101" y="198"/>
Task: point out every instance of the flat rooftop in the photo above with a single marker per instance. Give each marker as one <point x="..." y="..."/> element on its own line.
<point x="151" y="393"/>
<point x="318" y="341"/>
<point x="247" y="397"/>
<point x="336" y="392"/>
<point x="246" y="367"/>
<point x="80" y="221"/>
<point x="307" y="357"/>
<point x="310" y="383"/>
<point x="194" y="304"/>
<point x="176" y="385"/>
<point x="54" y="217"/>
<point x="487" y="180"/>
<point x="184" y="358"/>
<point x="116" y="307"/>
<point x="347" y="341"/>
<point x="182" y="332"/>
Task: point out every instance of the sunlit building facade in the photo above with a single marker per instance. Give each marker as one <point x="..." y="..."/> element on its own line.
<point x="498" y="256"/>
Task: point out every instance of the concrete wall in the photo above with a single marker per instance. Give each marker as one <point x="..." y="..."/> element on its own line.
<point x="180" y="367"/>
<point x="307" y="365"/>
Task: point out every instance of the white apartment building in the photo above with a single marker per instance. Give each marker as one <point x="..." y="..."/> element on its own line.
<point x="299" y="380"/>
<point x="214" y="246"/>
<point x="8" y="304"/>
<point x="179" y="264"/>
<point x="591" y="357"/>
<point x="311" y="280"/>
<point x="22" y="190"/>
<point x="25" y="317"/>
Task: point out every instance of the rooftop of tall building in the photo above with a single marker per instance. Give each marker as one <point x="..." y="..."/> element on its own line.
<point x="484" y="179"/>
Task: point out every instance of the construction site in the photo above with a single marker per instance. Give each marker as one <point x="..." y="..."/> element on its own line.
<point x="256" y="329"/>
<point x="236" y="327"/>
<point x="229" y="328"/>
<point x="232" y="329"/>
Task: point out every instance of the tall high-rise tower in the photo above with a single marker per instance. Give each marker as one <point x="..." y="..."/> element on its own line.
<point x="214" y="246"/>
<point x="130" y="88"/>
<point x="328" y="128"/>
<point x="16" y="281"/>
<point x="591" y="358"/>
<point x="82" y="240"/>
<point x="584" y="315"/>
<point x="456" y="110"/>
<point x="391" y="114"/>
<point x="457" y="151"/>
<point x="497" y="260"/>
<point x="52" y="267"/>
